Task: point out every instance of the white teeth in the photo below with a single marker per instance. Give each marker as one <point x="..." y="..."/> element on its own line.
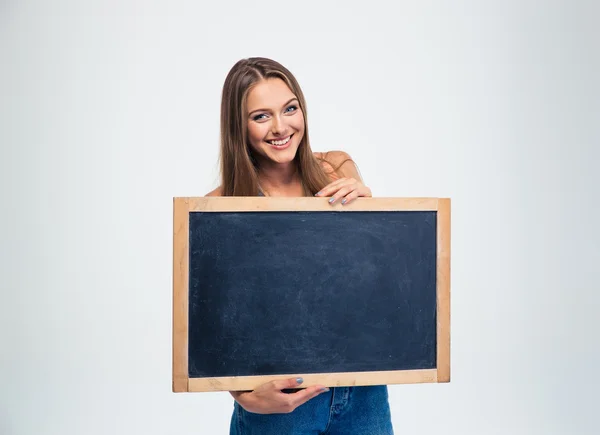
<point x="280" y="142"/>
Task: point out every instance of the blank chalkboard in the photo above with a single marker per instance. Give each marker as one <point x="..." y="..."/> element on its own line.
<point x="266" y="288"/>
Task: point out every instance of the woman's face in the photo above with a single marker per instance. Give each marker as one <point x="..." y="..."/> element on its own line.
<point x="275" y="121"/>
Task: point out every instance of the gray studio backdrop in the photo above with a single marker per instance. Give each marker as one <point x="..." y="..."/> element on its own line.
<point x="109" y="109"/>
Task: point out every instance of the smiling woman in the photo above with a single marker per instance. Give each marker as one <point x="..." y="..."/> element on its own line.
<point x="265" y="147"/>
<point x="275" y="122"/>
<point x="265" y="150"/>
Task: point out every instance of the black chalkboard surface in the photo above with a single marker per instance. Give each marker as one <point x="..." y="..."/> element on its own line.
<point x="281" y="287"/>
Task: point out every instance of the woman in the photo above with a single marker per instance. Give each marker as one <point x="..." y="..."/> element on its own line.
<point x="265" y="151"/>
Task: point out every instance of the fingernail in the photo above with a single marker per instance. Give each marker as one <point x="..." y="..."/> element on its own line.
<point x="299" y="380"/>
<point x="324" y="390"/>
<point x="344" y="201"/>
<point x="331" y="200"/>
<point x="317" y="194"/>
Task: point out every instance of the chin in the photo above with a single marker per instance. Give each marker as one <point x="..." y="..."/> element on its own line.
<point x="285" y="156"/>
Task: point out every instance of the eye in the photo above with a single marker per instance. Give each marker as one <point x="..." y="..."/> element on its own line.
<point x="291" y="107"/>
<point x="258" y="117"/>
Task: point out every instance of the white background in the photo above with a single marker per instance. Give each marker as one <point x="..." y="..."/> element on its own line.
<point x="110" y="109"/>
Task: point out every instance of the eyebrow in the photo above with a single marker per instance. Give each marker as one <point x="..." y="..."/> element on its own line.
<point x="266" y="110"/>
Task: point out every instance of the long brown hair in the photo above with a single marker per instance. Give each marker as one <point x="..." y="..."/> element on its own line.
<point x="239" y="171"/>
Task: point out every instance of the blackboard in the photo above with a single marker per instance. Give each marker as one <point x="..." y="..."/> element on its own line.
<point x="283" y="287"/>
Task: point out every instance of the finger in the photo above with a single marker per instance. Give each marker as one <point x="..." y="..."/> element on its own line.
<point x="235" y="394"/>
<point x="244" y="398"/>
<point x="334" y="186"/>
<point x="306" y="394"/>
<point x="343" y="192"/>
<point x="331" y="187"/>
<point x="361" y="191"/>
<point x="286" y="383"/>
<point x="350" y="197"/>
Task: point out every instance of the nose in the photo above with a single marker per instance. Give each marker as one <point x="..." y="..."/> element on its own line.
<point x="278" y="126"/>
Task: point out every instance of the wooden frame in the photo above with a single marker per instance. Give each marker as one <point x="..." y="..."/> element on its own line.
<point x="184" y="205"/>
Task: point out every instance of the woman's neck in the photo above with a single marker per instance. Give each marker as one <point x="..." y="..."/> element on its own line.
<point x="278" y="179"/>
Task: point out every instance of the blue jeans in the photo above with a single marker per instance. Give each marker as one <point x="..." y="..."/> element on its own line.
<point x="340" y="411"/>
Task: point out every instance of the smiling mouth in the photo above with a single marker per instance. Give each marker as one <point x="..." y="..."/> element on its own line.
<point x="279" y="143"/>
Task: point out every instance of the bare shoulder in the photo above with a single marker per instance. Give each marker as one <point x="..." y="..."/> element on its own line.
<point x="217" y="192"/>
<point x="340" y="163"/>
